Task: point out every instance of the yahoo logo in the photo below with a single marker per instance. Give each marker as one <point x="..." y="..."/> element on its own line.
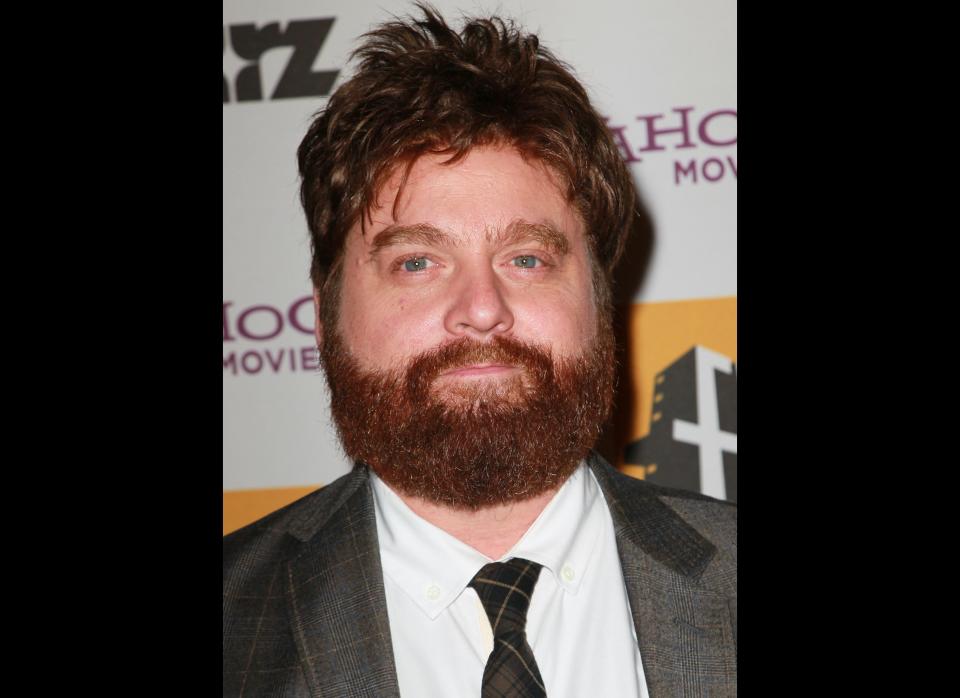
<point x="260" y="323"/>
<point x="716" y="129"/>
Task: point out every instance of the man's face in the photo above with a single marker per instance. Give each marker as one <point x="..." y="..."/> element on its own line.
<point x="463" y="258"/>
<point x="468" y="366"/>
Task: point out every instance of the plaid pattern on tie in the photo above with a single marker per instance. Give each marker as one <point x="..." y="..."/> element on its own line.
<point x="505" y="589"/>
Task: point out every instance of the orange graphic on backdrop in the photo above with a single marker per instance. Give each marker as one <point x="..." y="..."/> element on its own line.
<point x="654" y="336"/>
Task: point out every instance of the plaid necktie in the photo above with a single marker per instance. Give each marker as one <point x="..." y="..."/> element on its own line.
<point x="505" y="589"/>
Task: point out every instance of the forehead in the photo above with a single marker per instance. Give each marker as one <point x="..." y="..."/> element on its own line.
<point x="478" y="197"/>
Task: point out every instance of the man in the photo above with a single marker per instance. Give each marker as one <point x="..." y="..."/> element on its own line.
<point x="467" y="208"/>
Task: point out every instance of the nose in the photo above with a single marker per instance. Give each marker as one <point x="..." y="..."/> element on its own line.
<point x="479" y="307"/>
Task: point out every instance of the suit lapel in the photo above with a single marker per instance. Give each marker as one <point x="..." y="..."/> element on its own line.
<point x="684" y="630"/>
<point x="336" y="599"/>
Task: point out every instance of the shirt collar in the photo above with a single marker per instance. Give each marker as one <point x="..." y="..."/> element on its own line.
<point x="568" y="530"/>
<point x="427" y="563"/>
<point x="433" y="568"/>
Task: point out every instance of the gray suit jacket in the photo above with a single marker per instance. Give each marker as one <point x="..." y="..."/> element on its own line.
<point x="304" y="610"/>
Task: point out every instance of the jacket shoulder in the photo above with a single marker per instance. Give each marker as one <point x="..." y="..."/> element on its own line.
<point x="267" y="540"/>
<point x="693" y="530"/>
<point x="715" y="518"/>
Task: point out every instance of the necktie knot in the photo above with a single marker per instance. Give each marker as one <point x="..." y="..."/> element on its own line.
<point x="505" y="589"/>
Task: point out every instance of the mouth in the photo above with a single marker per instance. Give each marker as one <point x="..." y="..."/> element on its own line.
<point x="480" y="370"/>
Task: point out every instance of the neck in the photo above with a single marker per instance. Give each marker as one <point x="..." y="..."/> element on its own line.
<point x="492" y="530"/>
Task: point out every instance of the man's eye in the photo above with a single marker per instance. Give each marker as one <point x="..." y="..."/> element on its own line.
<point x="527" y="261"/>
<point x="416" y="264"/>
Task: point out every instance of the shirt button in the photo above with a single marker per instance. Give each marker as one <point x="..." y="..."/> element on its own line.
<point x="568" y="573"/>
<point x="433" y="592"/>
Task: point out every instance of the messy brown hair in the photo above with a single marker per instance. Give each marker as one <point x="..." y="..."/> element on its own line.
<point x="421" y="87"/>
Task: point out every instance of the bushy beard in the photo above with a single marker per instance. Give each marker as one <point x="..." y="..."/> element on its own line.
<point x="477" y="443"/>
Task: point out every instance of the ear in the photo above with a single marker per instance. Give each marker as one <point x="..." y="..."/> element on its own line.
<point x="317" y="324"/>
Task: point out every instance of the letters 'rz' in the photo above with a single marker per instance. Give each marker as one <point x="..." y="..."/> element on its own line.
<point x="305" y="35"/>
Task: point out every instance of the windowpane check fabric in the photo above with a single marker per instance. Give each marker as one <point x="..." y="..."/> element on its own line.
<point x="505" y="589"/>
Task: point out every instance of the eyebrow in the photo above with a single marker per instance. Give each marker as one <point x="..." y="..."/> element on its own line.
<point x="521" y="231"/>
<point x="517" y="232"/>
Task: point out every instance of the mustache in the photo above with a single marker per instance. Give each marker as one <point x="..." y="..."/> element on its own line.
<point x="424" y="368"/>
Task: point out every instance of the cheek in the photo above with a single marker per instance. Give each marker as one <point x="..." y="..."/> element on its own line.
<point x="565" y="326"/>
<point x="567" y="318"/>
<point x="382" y="332"/>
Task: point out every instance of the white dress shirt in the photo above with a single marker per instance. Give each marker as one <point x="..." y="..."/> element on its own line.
<point x="579" y="623"/>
